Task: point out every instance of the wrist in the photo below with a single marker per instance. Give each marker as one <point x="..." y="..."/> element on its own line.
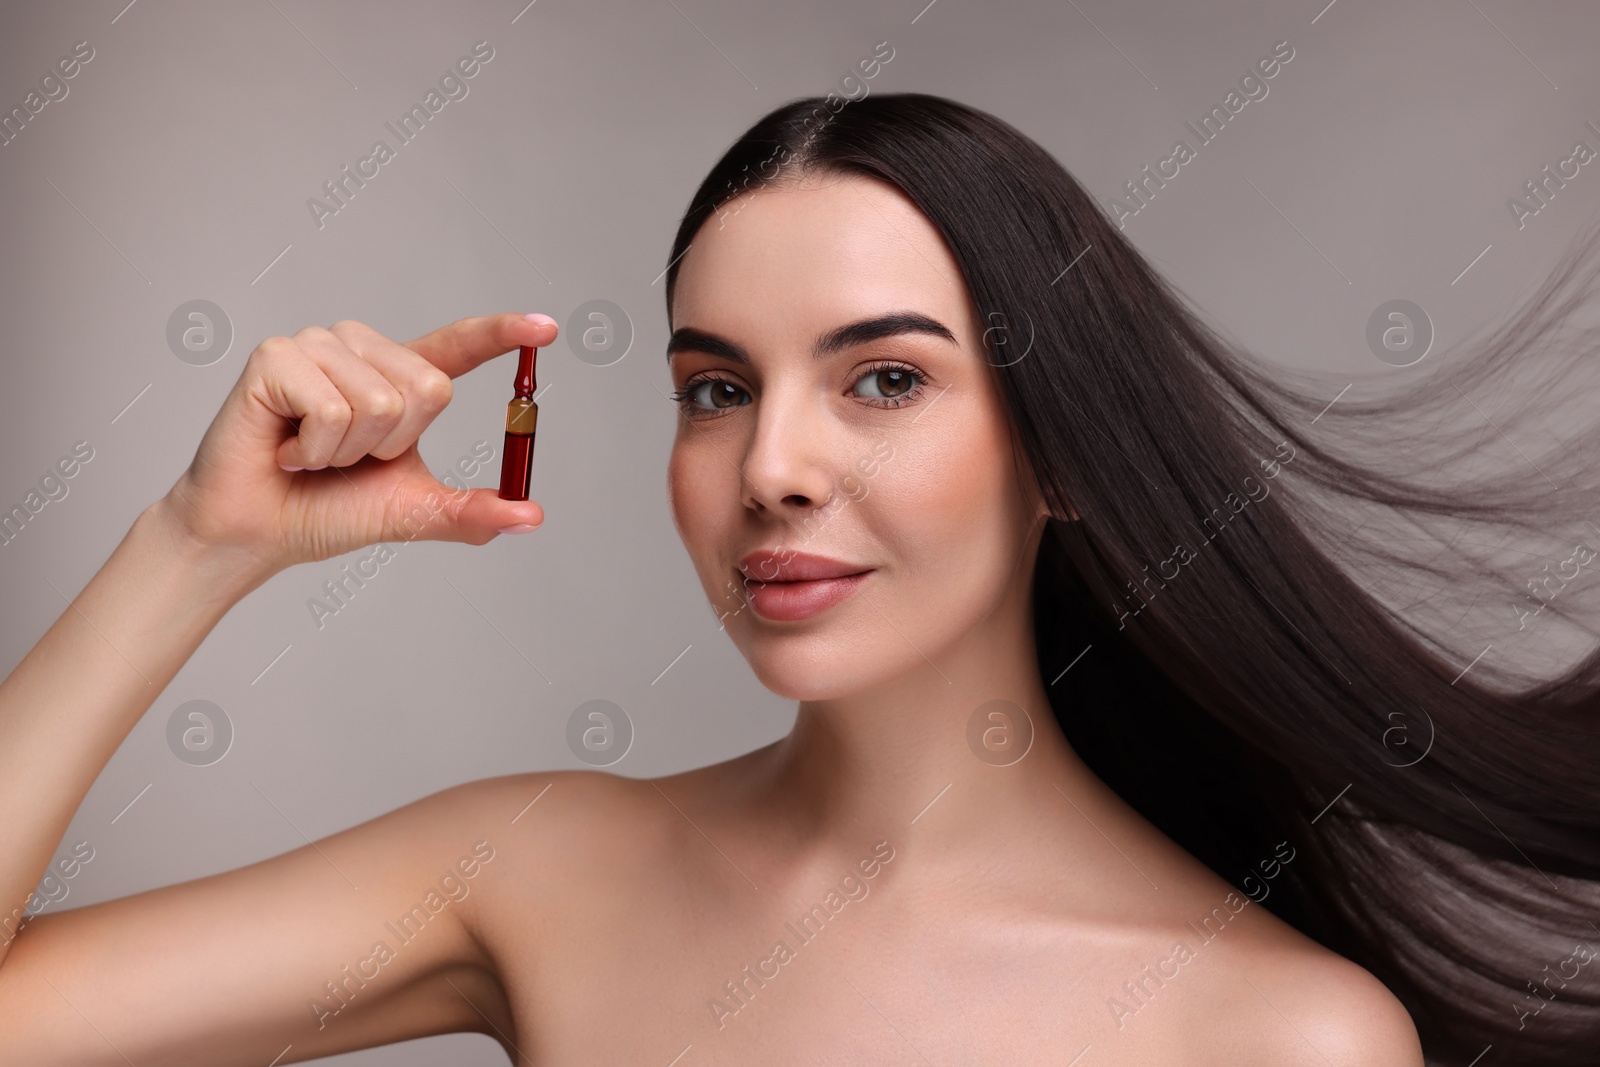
<point x="229" y="572"/>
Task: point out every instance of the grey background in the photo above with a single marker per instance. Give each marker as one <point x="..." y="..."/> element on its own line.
<point x="179" y="165"/>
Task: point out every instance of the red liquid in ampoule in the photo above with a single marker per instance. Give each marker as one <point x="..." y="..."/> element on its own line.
<point x="522" y="418"/>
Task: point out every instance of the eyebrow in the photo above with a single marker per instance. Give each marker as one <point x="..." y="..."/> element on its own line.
<point x="689" y="339"/>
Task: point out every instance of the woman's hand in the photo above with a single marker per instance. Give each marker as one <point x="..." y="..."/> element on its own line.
<point x="314" y="452"/>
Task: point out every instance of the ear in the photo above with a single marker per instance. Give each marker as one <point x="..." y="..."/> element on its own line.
<point x="1071" y="517"/>
<point x="1045" y="509"/>
<point x="1031" y="487"/>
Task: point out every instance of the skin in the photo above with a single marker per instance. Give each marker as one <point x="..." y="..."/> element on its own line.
<point x="983" y="913"/>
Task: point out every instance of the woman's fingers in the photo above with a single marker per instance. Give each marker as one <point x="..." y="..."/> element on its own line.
<point x="465" y="343"/>
<point x="374" y="405"/>
<point x="329" y="397"/>
<point x="475" y="516"/>
<point x="289" y="384"/>
<point x="387" y="393"/>
<point x="424" y="389"/>
<point x="392" y="392"/>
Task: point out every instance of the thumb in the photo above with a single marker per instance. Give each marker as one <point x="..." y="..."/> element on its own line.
<point x="473" y="516"/>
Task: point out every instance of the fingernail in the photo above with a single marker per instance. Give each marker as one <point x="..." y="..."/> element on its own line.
<point x="539" y="319"/>
<point x="286" y="467"/>
<point x="517" y="527"/>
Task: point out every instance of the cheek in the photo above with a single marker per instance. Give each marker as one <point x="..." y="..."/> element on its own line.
<point x="699" y="497"/>
<point x="947" y="497"/>
<point x="948" y="512"/>
<point x="681" y="491"/>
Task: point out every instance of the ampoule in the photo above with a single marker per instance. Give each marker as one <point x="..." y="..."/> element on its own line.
<point x="522" y="416"/>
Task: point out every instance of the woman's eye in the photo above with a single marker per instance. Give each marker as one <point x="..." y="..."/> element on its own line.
<point x="713" y="393"/>
<point x="888" y="385"/>
<point x="891" y="382"/>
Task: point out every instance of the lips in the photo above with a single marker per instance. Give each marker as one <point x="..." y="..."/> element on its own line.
<point x="776" y="566"/>
<point x="788" y="586"/>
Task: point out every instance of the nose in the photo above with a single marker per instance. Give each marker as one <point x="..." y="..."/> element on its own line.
<point x="787" y="468"/>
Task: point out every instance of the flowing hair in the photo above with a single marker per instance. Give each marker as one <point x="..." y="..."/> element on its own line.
<point x="1370" y="619"/>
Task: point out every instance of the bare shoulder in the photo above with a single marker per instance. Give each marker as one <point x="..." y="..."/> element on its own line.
<point x="1295" y="1003"/>
<point x="1246" y="989"/>
<point x="581" y="814"/>
<point x="567" y="831"/>
<point x="597" y="808"/>
<point x="1252" y="988"/>
<point x="593" y="871"/>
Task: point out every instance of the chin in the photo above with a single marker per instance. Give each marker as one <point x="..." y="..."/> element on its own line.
<point x="818" y="666"/>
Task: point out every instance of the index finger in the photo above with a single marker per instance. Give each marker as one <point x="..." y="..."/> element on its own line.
<point x="465" y="343"/>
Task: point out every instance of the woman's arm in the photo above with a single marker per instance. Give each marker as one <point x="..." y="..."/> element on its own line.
<point x="74" y="697"/>
<point x="313" y="454"/>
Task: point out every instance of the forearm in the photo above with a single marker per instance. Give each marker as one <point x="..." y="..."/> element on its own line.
<point x="78" y="692"/>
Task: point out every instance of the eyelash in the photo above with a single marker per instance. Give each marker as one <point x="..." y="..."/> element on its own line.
<point x="920" y="383"/>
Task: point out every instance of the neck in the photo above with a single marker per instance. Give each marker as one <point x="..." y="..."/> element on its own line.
<point x="906" y="757"/>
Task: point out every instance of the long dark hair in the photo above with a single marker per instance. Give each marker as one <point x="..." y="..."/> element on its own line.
<point x="1241" y="535"/>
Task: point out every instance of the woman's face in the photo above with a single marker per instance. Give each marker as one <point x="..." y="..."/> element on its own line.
<point x="885" y="449"/>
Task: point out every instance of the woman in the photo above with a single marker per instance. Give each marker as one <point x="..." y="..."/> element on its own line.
<point x="956" y="471"/>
